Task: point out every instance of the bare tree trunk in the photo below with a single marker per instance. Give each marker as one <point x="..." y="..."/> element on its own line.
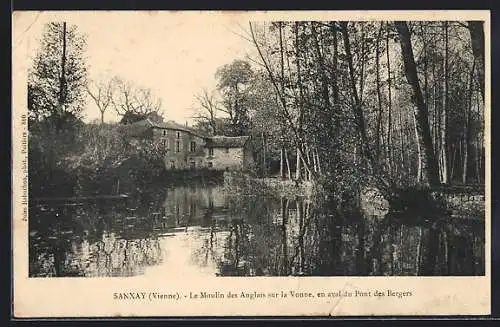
<point x="335" y="86"/>
<point x="467" y="131"/>
<point x="299" y="84"/>
<point x="435" y="114"/>
<point x="419" y="151"/>
<point x="334" y="79"/>
<point x="426" y="99"/>
<point x="297" y="168"/>
<point x="282" y="163"/>
<point x="444" y="113"/>
<point x="288" y="165"/>
<point x="318" y="161"/>
<point x="264" y="163"/>
<point x="282" y="61"/>
<point x="358" y="111"/>
<point x="476" y="29"/>
<point x="429" y="164"/>
<point x="453" y="150"/>
<point x="379" y="94"/>
<point x="362" y="69"/>
<point x="324" y="79"/>
<point x="297" y="130"/>
<point x="426" y="77"/>
<point x="308" y="158"/>
<point x="401" y="140"/>
<point x="389" y="102"/>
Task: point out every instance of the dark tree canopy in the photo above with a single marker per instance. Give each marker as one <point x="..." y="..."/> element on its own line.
<point x="58" y="77"/>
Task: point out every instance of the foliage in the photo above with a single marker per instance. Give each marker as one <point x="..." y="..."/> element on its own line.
<point x="346" y="106"/>
<point x="57" y="80"/>
<point x="90" y="159"/>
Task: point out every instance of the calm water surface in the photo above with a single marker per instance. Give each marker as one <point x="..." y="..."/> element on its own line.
<point x="201" y="230"/>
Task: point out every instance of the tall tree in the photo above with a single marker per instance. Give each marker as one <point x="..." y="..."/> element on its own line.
<point x="57" y="79"/>
<point x="443" y="155"/>
<point x="357" y="105"/>
<point x="476" y="29"/>
<point x="134" y="103"/>
<point x="233" y="80"/>
<point x="428" y="160"/>
<point x="102" y="94"/>
<point x="389" y="100"/>
<point x="207" y="112"/>
<point x="379" y="92"/>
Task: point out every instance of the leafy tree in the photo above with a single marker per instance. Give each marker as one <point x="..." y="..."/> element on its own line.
<point x="428" y="161"/>
<point x="57" y="80"/>
<point x="233" y="80"/>
<point x="353" y="99"/>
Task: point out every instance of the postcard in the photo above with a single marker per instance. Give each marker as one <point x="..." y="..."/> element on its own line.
<point x="284" y="163"/>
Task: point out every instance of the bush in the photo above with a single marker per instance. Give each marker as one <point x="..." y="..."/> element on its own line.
<point x="89" y="159"/>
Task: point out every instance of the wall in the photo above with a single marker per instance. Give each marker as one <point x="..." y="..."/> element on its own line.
<point x="465" y="204"/>
<point x="222" y="160"/>
<point x="248" y="160"/>
<point x="233" y="159"/>
<point x="184" y="158"/>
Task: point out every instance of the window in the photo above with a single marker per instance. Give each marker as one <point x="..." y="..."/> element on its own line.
<point x="210" y="151"/>
<point x="172" y="164"/>
<point x="227" y="150"/>
<point x="178" y="135"/>
<point x="177" y="146"/>
<point x="193" y="147"/>
<point x="210" y="164"/>
<point x="164" y="132"/>
<point x="192" y="165"/>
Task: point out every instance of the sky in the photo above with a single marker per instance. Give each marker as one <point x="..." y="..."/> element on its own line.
<point x="175" y="55"/>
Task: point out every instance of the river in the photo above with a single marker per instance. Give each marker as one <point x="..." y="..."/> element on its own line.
<point x="202" y="230"/>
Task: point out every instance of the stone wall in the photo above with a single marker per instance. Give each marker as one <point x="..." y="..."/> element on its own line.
<point x="465" y="203"/>
<point x="226" y="158"/>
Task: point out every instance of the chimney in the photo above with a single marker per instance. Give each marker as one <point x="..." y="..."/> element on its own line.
<point x="187" y="124"/>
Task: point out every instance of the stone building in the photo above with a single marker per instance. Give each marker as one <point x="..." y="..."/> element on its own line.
<point x="187" y="148"/>
<point x="228" y="153"/>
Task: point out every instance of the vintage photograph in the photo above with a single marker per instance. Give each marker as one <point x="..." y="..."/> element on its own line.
<point x="179" y="148"/>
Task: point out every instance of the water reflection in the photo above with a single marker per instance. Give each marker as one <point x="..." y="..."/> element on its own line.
<point x="203" y="230"/>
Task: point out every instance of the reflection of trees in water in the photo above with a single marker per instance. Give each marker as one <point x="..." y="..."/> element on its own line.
<point x="120" y="257"/>
<point x="300" y="239"/>
<point x="369" y="247"/>
<point x="106" y="257"/>
<point x="249" y="236"/>
<point x="269" y="242"/>
<point x="453" y="249"/>
<point x="90" y="240"/>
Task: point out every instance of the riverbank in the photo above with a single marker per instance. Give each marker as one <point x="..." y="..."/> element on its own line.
<point x="458" y="201"/>
<point x="240" y="183"/>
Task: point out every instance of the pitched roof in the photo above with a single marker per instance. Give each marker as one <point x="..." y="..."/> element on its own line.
<point x="227" y="141"/>
<point x="175" y="126"/>
<point x="136" y="129"/>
